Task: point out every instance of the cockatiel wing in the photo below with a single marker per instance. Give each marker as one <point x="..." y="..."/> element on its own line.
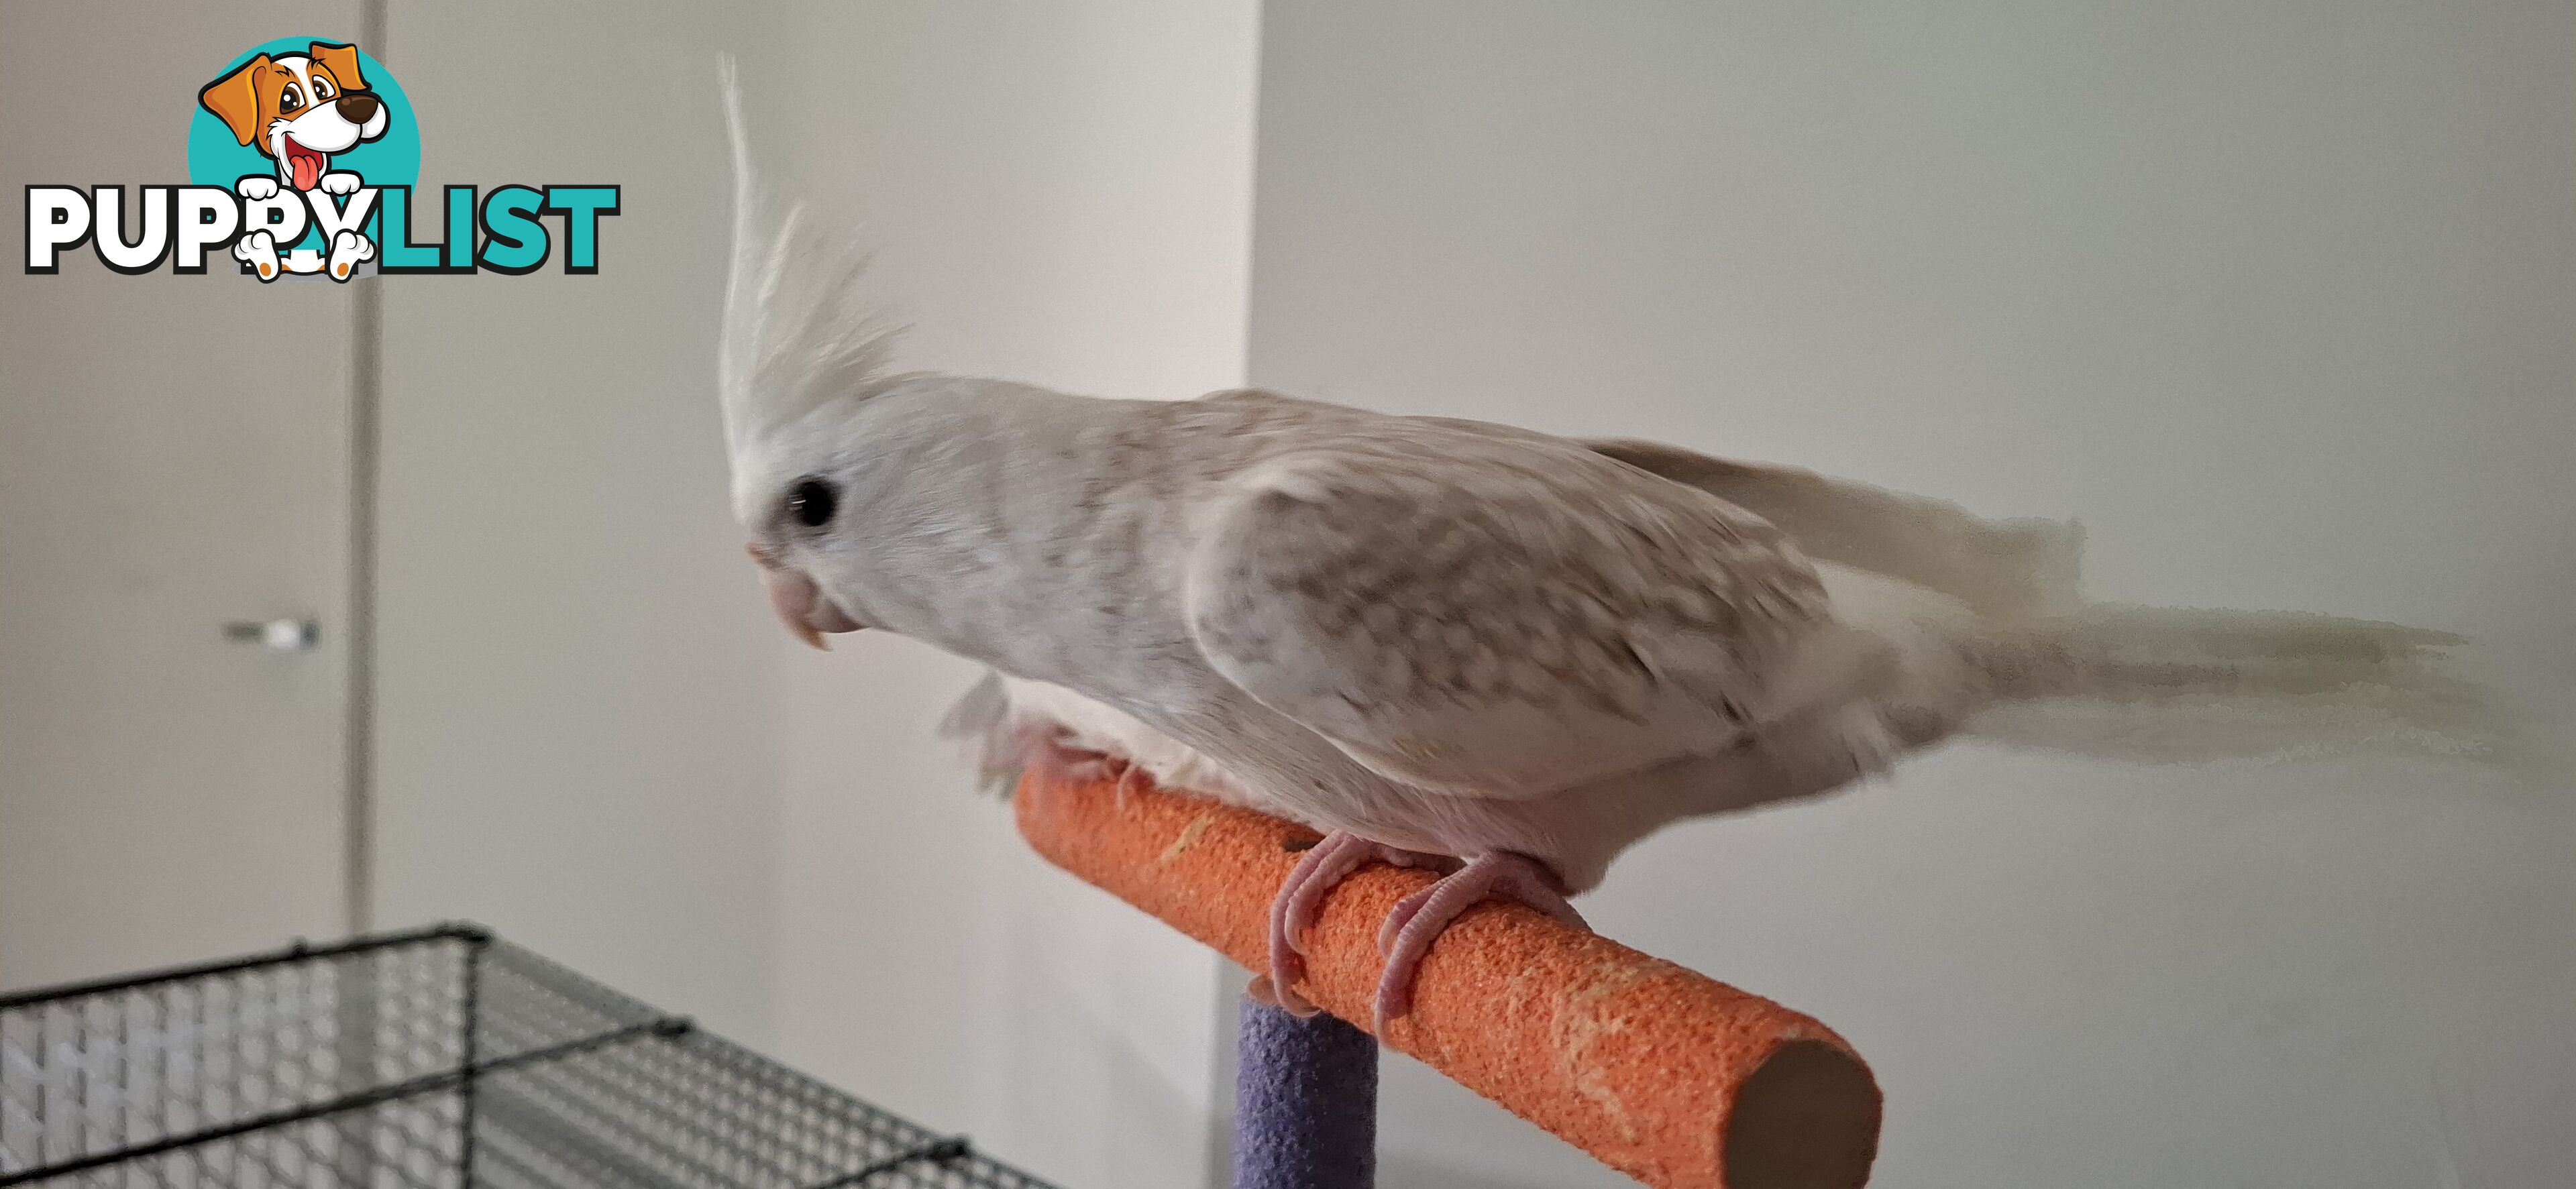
<point x="1500" y="618"/>
<point x="2025" y="567"/>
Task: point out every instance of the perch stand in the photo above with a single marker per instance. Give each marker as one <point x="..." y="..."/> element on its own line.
<point x="1662" y="1073"/>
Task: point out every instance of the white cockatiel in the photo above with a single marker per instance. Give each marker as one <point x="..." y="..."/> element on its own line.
<point x="1501" y="654"/>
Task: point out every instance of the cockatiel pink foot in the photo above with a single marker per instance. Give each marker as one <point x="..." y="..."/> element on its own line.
<point x="1057" y="755"/>
<point x="1419" y="919"/>
<point x="1052" y="749"/>
<point x="1410" y="928"/>
<point x="1301" y="898"/>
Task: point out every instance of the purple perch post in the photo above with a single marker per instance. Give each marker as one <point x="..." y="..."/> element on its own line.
<point x="1305" y="1103"/>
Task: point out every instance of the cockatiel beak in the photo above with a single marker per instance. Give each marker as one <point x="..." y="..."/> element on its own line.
<point x="799" y="603"/>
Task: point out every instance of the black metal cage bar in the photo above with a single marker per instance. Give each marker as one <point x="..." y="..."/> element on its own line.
<point x="439" y="1058"/>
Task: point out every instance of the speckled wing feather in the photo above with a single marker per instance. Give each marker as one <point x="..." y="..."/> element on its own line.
<point x="2021" y="567"/>
<point x="1503" y="617"/>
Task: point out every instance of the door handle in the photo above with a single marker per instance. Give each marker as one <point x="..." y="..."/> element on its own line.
<point x="276" y="635"/>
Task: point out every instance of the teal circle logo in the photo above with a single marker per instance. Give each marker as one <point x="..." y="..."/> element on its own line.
<point x="249" y="116"/>
<point x="218" y="154"/>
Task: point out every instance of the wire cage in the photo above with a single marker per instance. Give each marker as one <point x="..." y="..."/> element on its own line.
<point x="443" y="1058"/>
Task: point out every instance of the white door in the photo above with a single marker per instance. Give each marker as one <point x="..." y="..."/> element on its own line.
<point x="173" y="455"/>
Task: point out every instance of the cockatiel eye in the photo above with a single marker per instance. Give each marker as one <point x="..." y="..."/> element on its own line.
<point x="811" y="502"/>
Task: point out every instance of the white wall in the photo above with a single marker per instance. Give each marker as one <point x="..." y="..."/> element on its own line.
<point x="2275" y="298"/>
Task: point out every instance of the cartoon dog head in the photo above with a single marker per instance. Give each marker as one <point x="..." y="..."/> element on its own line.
<point x="298" y="109"/>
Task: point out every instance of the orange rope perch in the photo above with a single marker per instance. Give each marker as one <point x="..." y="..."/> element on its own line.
<point x="1660" y="1072"/>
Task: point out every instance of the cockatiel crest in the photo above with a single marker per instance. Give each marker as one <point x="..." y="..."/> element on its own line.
<point x="798" y="340"/>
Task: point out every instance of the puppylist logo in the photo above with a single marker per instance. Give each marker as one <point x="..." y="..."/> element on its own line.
<point x="302" y="158"/>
